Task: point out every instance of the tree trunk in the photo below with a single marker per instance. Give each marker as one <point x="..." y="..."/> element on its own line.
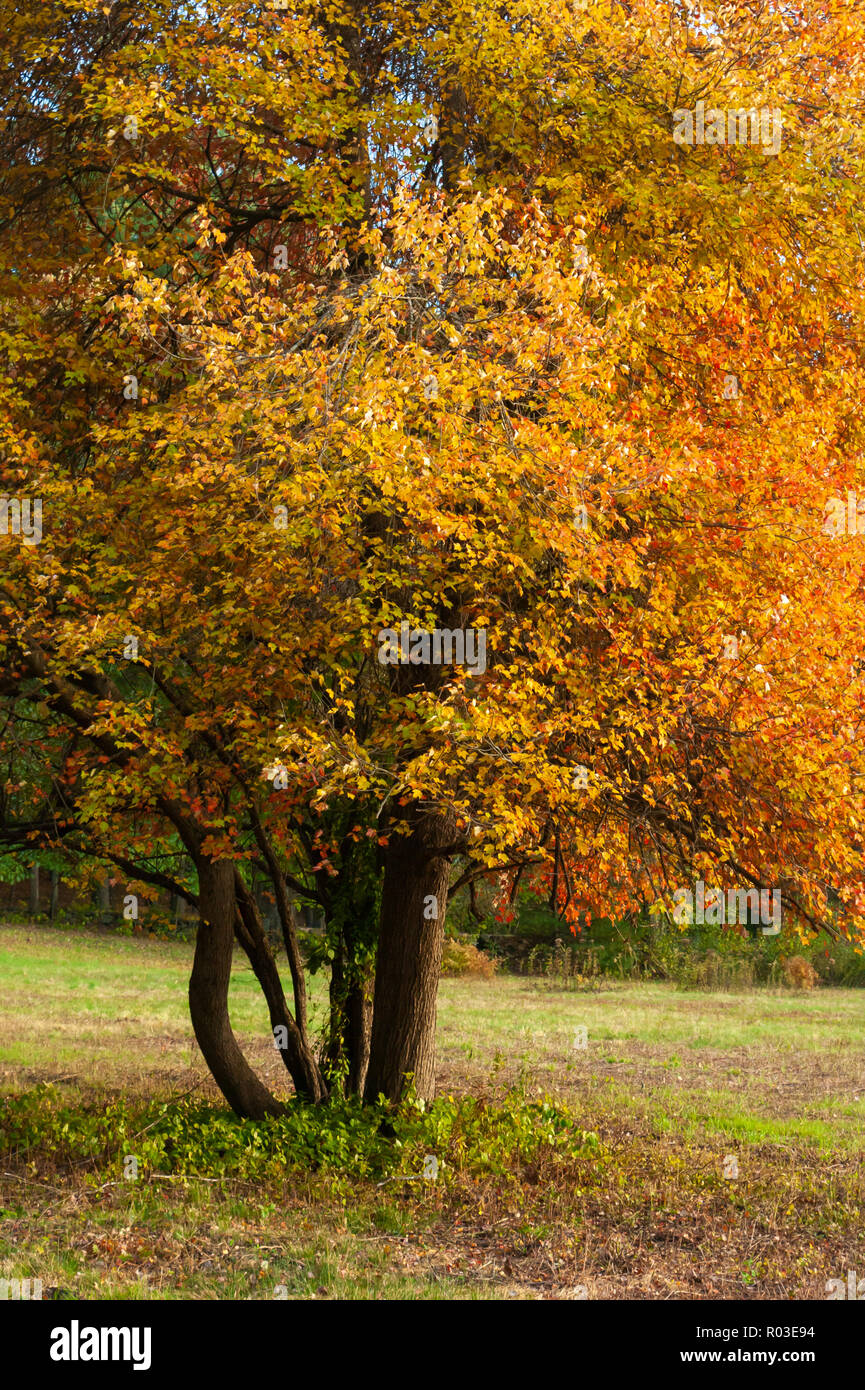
<point x="358" y="1033"/>
<point x="208" y="995"/>
<point x="34" y="891"/>
<point x="351" y="993"/>
<point x="414" y="901"/>
<point x="296" y="1052"/>
<point x="286" y="919"/>
<point x="55" y="895"/>
<point x="351" y="911"/>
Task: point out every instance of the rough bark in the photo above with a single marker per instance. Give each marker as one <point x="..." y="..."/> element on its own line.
<point x="409" y="959"/>
<point x="208" y="995"/>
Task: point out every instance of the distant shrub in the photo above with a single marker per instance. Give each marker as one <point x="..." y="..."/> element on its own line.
<point x="800" y="973"/>
<point x="461" y="958"/>
<point x="838" y="962"/>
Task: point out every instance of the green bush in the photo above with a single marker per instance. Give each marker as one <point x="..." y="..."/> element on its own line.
<point x="199" y="1140"/>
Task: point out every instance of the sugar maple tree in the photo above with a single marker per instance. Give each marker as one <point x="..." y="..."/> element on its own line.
<point x="484" y="384"/>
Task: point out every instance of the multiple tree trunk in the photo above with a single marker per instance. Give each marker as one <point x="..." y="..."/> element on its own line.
<point x="379" y="1043"/>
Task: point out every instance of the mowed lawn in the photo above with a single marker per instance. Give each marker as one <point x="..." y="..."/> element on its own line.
<point x="683" y="1089"/>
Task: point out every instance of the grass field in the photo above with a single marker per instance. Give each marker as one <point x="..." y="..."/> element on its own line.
<point x="673" y="1083"/>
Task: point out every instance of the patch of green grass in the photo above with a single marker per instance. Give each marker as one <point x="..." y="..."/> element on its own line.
<point x="754" y="1130"/>
<point x="657" y="1014"/>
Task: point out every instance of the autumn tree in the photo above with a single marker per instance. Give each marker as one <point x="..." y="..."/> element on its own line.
<point x="416" y="319"/>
